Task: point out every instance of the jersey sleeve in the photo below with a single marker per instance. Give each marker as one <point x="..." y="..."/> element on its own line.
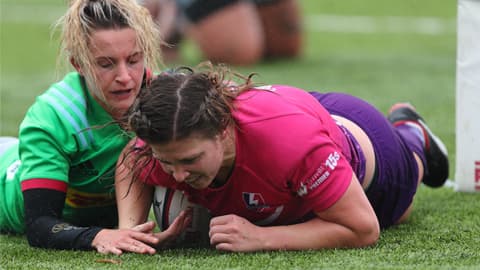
<point x="323" y="176"/>
<point x="44" y="225"/>
<point x="44" y="145"/>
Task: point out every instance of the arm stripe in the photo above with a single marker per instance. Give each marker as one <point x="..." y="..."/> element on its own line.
<point x="44" y="183"/>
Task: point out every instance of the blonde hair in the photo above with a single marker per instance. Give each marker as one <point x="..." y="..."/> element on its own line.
<point x="84" y="17"/>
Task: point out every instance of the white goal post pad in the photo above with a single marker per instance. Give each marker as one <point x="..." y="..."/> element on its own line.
<point x="467" y="175"/>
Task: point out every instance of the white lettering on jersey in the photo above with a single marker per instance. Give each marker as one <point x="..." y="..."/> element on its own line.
<point x="321" y="174"/>
<point x="320" y="180"/>
<point x="332" y="160"/>
<point x="12" y="170"/>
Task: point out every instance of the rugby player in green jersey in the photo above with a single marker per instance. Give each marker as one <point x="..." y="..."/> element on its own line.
<point x="57" y="178"/>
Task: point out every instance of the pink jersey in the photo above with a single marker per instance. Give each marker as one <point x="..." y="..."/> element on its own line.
<point x="291" y="159"/>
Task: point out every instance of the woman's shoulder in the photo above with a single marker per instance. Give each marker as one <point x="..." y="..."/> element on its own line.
<point x="62" y="101"/>
<point x="67" y="91"/>
<point x="59" y="112"/>
<point x="276" y="102"/>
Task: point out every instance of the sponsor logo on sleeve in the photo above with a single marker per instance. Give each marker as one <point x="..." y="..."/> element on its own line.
<point x="63" y="227"/>
<point x="321" y="174"/>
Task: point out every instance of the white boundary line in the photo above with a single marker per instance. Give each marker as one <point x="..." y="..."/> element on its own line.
<point x="384" y="24"/>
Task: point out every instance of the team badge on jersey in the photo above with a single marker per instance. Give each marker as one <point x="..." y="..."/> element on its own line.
<point x="254" y="201"/>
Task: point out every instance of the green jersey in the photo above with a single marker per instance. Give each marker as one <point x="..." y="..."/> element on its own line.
<point x="65" y="137"/>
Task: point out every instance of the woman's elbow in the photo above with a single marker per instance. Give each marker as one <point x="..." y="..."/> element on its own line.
<point x="369" y="234"/>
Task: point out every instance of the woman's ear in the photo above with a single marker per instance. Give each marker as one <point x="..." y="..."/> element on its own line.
<point x="77" y="67"/>
<point x="227" y="132"/>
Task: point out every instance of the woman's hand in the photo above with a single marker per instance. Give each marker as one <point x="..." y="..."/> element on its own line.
<point x="234" y="233"/>
<point x="349" y="223"/>
<point x="178" y="226"/>
<point x="139" y="239"/>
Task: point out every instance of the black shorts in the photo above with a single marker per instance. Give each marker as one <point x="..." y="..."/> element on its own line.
<point x="196" y="10"/>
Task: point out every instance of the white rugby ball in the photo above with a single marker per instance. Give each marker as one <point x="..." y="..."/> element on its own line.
<point x="167" y="205"/>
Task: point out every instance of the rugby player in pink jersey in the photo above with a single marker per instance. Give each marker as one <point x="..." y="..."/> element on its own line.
<point x="279" y="168"/>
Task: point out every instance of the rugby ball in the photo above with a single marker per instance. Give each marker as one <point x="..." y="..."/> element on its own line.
<point x="167" y="205"/>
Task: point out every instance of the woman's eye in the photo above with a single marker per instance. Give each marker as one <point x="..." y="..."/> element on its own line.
<point x="135" y="58"/>
<point x="105" y="64"/>
<point x="189" y="161"/>
<point x="166" y="163"/>
<point x="133" y="61"/>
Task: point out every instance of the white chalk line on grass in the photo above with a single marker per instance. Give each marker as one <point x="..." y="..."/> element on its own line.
<point x="48" y="14"/>
<point x="384" y="24"/>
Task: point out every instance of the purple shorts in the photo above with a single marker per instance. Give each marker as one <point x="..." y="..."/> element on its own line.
<point x="396" y="172"/>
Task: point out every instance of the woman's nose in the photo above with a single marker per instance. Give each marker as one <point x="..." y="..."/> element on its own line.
<point x="180" y="174"/>
<point x="123" y="75"/>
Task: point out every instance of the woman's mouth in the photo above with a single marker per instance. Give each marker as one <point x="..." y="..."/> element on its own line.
<point x="192" y="180"/>
<point x="122" y="94"/>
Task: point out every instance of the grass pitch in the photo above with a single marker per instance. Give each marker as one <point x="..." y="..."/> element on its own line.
<point x="382" y="51"/>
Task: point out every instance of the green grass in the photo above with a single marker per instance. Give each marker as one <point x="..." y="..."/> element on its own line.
<point x="381" y="67"/>
<point x="442" y="234"/>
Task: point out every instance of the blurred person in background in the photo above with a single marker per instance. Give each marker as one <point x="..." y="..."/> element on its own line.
<point x="237" y="32"/>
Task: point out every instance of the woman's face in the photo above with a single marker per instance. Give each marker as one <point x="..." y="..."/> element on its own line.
<point x="195" y="160"/>
<point x="119" y="67"/>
